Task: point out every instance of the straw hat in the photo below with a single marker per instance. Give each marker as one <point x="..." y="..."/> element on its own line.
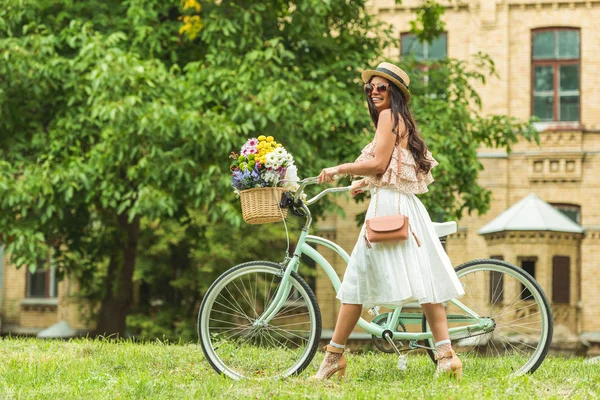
<point x="392" y="73"/>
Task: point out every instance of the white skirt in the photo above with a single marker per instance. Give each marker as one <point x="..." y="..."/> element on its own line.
<point x="393" y="273"/>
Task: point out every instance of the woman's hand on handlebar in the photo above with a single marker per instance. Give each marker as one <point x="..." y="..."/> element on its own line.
<point x="329" y="175"/>
<point x="357" y="186"/>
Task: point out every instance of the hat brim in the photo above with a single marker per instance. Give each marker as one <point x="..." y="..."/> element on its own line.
<point x="369" y="73"/>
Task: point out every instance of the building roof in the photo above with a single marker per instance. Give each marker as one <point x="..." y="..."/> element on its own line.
<point x="531" y="214"/>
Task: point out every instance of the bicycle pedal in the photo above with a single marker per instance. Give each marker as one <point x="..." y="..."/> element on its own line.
<point x="402" y="362"/>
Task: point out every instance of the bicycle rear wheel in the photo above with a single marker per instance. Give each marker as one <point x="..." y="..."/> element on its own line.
<point x="239" y="347"/>
<point x="516" y="304"/>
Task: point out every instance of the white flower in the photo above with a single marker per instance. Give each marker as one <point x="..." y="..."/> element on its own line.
<point x="272" y="177"/>
<point x="291" y="178"/>
<point x="273" y="160"/>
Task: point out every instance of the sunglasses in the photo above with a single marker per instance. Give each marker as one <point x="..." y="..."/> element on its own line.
<point x="381" y="88"/>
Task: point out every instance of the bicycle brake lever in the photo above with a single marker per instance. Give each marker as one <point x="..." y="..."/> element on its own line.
<point x="287" y="200"/>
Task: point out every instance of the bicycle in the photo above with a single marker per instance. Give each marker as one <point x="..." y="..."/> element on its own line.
<point x="261" y="319"/>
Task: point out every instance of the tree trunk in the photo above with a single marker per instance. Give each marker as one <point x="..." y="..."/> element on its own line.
<point x="119" y="281"/>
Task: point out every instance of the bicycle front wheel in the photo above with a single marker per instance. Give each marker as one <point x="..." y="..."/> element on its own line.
<point x="237" y="344"/>
<point x="520" y="320"/>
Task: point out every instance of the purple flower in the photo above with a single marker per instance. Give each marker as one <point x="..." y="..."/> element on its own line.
<point x="248" y="179"/>
<point x="237" y="179"/>
<point x="255" y="173"/>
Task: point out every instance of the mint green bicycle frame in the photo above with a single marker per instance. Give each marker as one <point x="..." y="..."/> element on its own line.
<point x="477" y="324"/>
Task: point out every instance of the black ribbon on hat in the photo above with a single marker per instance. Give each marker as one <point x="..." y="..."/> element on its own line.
<point x="393" y="75"/>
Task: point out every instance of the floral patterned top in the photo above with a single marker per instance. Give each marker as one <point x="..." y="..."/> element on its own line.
<point x="408" y="180"/>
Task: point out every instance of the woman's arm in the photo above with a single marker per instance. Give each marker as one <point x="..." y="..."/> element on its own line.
<point x="385" y="142"/>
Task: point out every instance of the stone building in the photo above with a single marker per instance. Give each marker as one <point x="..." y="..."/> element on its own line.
<point x="32" y="302"/>
<point x="547" y="54"/>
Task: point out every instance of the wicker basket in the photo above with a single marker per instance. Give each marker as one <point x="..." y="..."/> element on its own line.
<point x="261" y="205"/>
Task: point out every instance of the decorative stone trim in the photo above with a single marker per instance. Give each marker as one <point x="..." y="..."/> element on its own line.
<point x="592" y="235"/>
<point x="550" y="5"/>
<point x="531" y="237"/>
<point x="461" y="234"/>
<point x="39" y="304"/>
<point x="556" y="167"/>
<point x="487" y="8"/>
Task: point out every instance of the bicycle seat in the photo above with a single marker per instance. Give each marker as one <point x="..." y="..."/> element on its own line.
<point x="445" y="228"/>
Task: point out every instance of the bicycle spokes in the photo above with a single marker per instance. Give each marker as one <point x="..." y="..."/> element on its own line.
<point x="513" y="321"/>
<point x="249" y="345"/>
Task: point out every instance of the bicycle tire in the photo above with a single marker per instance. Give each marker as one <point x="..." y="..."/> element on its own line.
<point x="529" y="283"/>
<point x="271" y="271"/>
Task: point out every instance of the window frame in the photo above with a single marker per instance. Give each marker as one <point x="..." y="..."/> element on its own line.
<point x="568" y="206"/>
<point x="50" y="281"/>
<point x="496" y="280"/>
<point x="555" y="63"/>
<point x="425" y="59"/>
<point x="520" y="261"/>
<point x="563" y="298"/>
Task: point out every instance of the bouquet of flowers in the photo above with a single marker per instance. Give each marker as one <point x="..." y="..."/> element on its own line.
<point x="259" y="175"/>
<point x="263" y="162"/>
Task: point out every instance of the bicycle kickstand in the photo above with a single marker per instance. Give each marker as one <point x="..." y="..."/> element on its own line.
<point x="402" y="358"/>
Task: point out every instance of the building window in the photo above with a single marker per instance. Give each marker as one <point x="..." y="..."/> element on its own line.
<point x="528" y="264"/>
<point x="561" y="279"/>
<point x="42" y="283"/>
<point x="436" y="50"/>
<point x="571" y="211"/>
<point x="496" y="294"/>
<point x="555" y="74"/>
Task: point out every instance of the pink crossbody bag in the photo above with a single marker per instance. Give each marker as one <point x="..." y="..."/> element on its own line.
<point x="391" y="228"/>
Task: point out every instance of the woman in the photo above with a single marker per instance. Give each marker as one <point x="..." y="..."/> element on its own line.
<point x="417" y="269"/>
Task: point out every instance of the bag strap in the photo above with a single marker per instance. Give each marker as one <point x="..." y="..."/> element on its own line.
<point x="399" y="197"/>
<point x="399" y="156"/>
<point x="377" y="201"/>
<point x="399" y="149"/>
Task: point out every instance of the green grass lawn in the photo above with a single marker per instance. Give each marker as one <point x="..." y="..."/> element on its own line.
<point x="95" y="369"/>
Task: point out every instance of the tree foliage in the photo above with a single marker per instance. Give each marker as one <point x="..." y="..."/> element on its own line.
<point x="447" y="109"/>
<point x="115" y="130"/>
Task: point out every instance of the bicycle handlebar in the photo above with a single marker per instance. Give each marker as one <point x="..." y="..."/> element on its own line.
<point x="313" y="181"/>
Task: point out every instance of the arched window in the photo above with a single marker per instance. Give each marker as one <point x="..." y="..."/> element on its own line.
<point x="555" y="60"/>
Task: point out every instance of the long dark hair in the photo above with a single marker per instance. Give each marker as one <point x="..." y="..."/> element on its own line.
<point x="399" y="107"/>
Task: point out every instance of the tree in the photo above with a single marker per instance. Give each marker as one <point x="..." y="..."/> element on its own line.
<point x="117" y="129"/>
<point x="104" y="123"/>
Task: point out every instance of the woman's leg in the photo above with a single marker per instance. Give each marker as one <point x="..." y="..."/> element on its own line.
<point x="334" y="360"/>
<point x="436" y="316"/>
<point x="448" y="362"/>
<point x="347" y="318"/>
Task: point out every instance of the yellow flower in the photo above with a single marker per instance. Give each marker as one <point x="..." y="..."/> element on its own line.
<point x="278" y="145"/>
<point x="262" y="138"/>
<point x="187" y="4"/>
<point x="270" y="138"/>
